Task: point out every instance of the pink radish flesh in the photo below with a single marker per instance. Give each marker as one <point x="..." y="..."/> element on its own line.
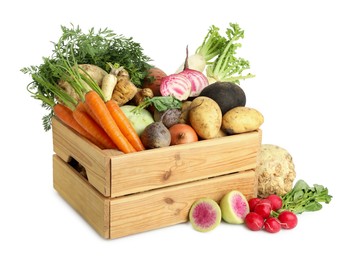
<point x="240" y="206"/>
<point x="204" y="215"/>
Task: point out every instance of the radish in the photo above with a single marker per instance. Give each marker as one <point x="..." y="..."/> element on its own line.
<point x="254" y="221"/>
<point x="252" y="203"/>
<point x="176" y="85"/>
<point x="272" y="225"/>
<point x="288" y="219"/>
<point x="263" y="208"/>
<point x="276" y="201"/>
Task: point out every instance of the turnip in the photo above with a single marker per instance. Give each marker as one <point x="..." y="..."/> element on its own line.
<point x="209" y="49"/>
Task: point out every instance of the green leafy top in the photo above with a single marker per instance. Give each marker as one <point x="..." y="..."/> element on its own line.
<point x="161" y="103"/>
<point x="100" y="48"/>
<point x="211" y="45"/>
<point x="227" y="66"/>
<point x="303" y="198"/>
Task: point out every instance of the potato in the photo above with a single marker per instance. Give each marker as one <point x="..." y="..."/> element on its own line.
<point x="241" y="119"/>
<point x="184" y="117"/>
<point x="205" y="117"/>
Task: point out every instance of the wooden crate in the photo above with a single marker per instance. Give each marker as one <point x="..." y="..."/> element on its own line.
<point x="123" y="194"/>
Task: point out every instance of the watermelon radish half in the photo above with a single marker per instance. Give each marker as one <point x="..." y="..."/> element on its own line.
<point x="234" y="207"/>
<point x="205" y="215"/>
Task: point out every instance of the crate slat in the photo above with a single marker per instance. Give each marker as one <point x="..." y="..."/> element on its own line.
<point x="115" y="174"/>
<point x="140" y="212"/>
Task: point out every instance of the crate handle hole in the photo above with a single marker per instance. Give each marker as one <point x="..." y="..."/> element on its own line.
<point x="78" y="167"/>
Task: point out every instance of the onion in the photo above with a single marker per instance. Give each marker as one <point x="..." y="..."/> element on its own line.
<point x="177" y="85"/>
<point x="198" y="80"/>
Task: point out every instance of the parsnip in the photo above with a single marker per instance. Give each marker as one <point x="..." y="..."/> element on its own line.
<point x="95" y="72"/>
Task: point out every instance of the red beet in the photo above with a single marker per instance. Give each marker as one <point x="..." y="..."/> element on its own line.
<point x="254" y="221"/>
<point x="276" y="201"/>
<point x="252" y="203"/>
<point x="288" y="219"/>
<point x="263" y="208"/>
<point x="272" y="225"/>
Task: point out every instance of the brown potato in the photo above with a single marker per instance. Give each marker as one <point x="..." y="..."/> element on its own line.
<point x="205" y="117"/>
<point x="241" y="119"/>
<point x="184" y="117"/>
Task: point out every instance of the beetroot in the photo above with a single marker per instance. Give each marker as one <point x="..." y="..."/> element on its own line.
<point x="272" y="225"/>
<point x="288" y="219"/>
<point x="254" y="221"/>
<point x="176" y="85"/>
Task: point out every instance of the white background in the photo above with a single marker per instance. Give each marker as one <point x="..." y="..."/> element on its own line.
<point x="301" y="53"/>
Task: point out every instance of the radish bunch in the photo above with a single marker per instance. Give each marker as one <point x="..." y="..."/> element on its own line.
<point x="267" y="214"/>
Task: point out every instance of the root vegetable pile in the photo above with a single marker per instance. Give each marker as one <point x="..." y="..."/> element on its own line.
<point x="98" y="75"/>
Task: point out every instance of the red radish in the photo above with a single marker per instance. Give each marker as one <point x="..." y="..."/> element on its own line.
<point x="176" y="85"/>
<point x="254" y="221"/>
<point x="288" y="219"/>
<point x="182" y="134"/>
<point x="276" y="201"/>
<point x="263" y="208"/>
<point x="272" y="225"/>
<point x="252" y="203"/>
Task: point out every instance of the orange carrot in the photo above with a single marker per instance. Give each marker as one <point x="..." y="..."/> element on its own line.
<point x="65" y="114"/>
<point x="93" y="128"/>
<point x="90" y="112"/>
<point x="100" y="111"/>
<point x="124" y="124"/>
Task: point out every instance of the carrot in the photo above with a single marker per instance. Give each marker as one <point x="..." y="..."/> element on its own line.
<point x="124" y="124"/>
<point x="86" y="122"/>
<point x="100" y="110"/>
<point x="65" y="114"/>
<point x="90" y="112"/>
